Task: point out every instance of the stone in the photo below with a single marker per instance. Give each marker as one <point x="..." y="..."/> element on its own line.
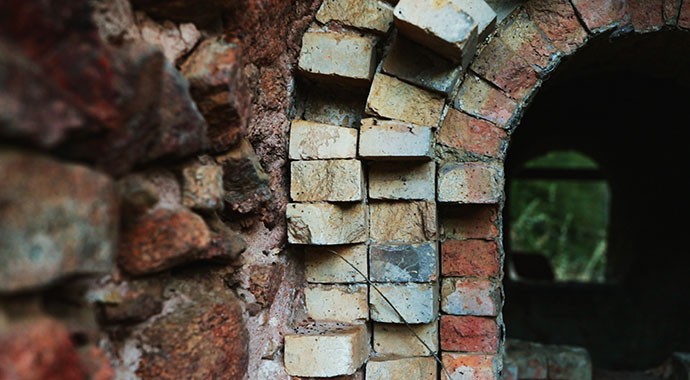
<point x="646" y="16"/>
<point x="397" y="340"/>
<point x="503" y="67"/>
<point x="471" y="182"/>
<point x="394" y="99"/>
<point x="423" y="368"/>
<point x="174" y="40"/>
<point x="326" y="350"/>
<point x="569" y="362"/>
<point x="245" y="183"/>
<point x="202" y="186"/>
<point x="469" y="221"/>
<point x="326" y="224"/>
<point x="600" y="15"/>
<point x="478" y="98"/>
<point x="469" y="334"/>
<point x="337" y="303"/>
<point x="57" y="220"/>
<point x="96" y="363"/>
<point x="337" y="57"/>
<point x="466" y="296"/>
<point x="326" y="180"/>
<point x="470" y="258"/>
<point x="363" y="14"/>
<point x="130" y="301"/>
<point x="402" y="222"/>
<point x="403" y="263"/>
<point x="318" y="141"/>
<point x="471" y="136"/>
<point x="469" y="366"/>
<point x="416" y="303"/>
<point x="558" y="21"/>
<point x="395" y="180"/>
<point x="341" y="108"/>
<point x="323" y="266"/>
<point x="522" y="36"/>
<point x="393" y="140"/>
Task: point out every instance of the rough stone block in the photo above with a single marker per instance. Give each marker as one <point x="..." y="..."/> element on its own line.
<point x="600" y="15"/>
<point x="323" y="266"/>
<point x="558" y="21"/>
<point x="416" y="303"/>
<point x="646" y="15"/>
<point x="394" y="99"/>
<point x="393" y="180"/>
<point x="364" y="14"/>
<point x="393" y="140"/>
<point x="337" y="303"/>
<point x="403" y="222"/>
<point x="326" y="224"/>
<point x="469" y="221"/>
<point x="317" y="141"/>
<point x="403" y="263"/>
<point x="202" y="186"/>
<point x="478" y="98"/>
<point x="472" y="258"/>
<point x="326" y="350"/>
<point x="469" y="334"/>
<point x="337" y="57"/>
<point x="397" y="340"/>
<point x="502" y="66"/>
<point x="326" y="180"/>
<point x="470" y="182"/>
<point x="472" y="136"/>
<point x="423" y="368"/>
<point x="522" y="36"/>
<point x="469" y="366"/>
<point x="465" y="296"/>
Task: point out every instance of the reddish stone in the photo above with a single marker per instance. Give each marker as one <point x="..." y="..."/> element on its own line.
<point x="558" y="21"/>
<point x="500" y="65"/>
<point x="671" y="9"/>
<point x="96" y="364"/>
<point x="477" y="258"/>
<point x="264" y="282"/>
<point x="600" y="15"/>
<point x="478" y="98"/>
<point x="646" y="15"/>
<point x="469" y="221"/>
<point x="135" y="301"/>
<point x="471" y="135"/>
<point x="524" y="37"/>
<point x="684" y="15"/>
<point x="469" y="334"/>
<point x="469" y="366"/>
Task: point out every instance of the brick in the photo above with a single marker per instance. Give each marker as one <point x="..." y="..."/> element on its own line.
<point x="568" y="362"/>
<point x="326" y="180"/>
<point x="403" y="263"/>
<point x="318" y="141"/>
<point x="423" y="368"/>
<point x="500" y="65"/>
<point x="337" y="303"/>
<point x="416" y="303"/>
<point x="509" y="371"/>
<point x="471" y="182"/>
<point x="478" y="98"/>
<point x="397" y="340"/>
<point x="466" y="296"/>
<point x="397" y="180"/>
<point x="469" y="221"/>
<point x="325" y="267"/>
<point x="473" y="258"/>
<point x="402" y="222"/>
<point x="420" y="66"/>
<point x="646" y="15"/>
<point x="394" y="140"/>
<point x="529" y="358"/>
<point x="472" y="136"/>
<point x="469" y="334"/>
<point x="364" y="14"/>
<point x="469" y="366"/>
<point x="342" y="108"/>
<point x="394" y="99"/>
<point x="684" y="15"/>
<point x="600" y="15"/>
<point x="326" y="224"/>
<point x="670" y="10"/>
<point x="522" y="36"/>
<point x="558" y="21"/>
<point x="337" y="57"/>
<point x="326" y="350"/>
<point x="202" y="186"/>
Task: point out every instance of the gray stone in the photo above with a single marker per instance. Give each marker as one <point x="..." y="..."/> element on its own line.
<point x="397" y="180"/>
<point x="326" y="224"/>
<point x="337" y="57"/>
<point x="416" y="303"/>
<point x="318" y="141"/>
<point x="403" y="263"/>
<point x="393" y="140"/>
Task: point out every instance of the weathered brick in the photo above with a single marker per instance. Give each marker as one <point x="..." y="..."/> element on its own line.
<point x="423" y="368"/>
<point x="466" y="296"/>
<point x="337" y="57"/>
<point x="671" y="9"/>
<point x="522" y="36"/>
<point x="337" y="303"/>
<point x="478" y="98"/>
<point x="475" y="258"/>
<point x="416" y="303"/>
<point x="530" y="358"/>
<point x="318" y="141"/>
<point x="646" y="15"/>
<point x="403" y="263"/>
<point x="323" y="266"/>
<point x="397" y="340"/>
<point x="469" y="334"/>
<point x="569" y="362"/>
<point x="509" y="371"/>
<point x="500" y="65"/>
<point x="471" y="182"/>
<point x="326" y="350"/>
<point x="558" y="21"/>
<point x="202" y="186"/>
<point x="364" y="14"/>
<point x="342" y="108"/>
<point x="402" y="222"/>
<point x="469" y="221"/>
<point x="684" y="15"/>
<point x="394" y="99"/>
<point x="326" y="180"/>
<point x="483" y="15"/>
<point x="394" y="140"/>
<point x="600" y="15"/>
<point x="397" y="180"/>
<point x="326" y="224"/>
<point x="469" y="366"/>
<point x="471" y="135"/>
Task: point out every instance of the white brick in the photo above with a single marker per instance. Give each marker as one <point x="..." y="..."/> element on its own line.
<point x="365" y="14"/>
<point x="337" y="303"/>
<point x="403" y="221"/>
<point x="326" y="180"/>
<point x="402" y="180"/>
<point x="394" y="99"/>
<point x="317" y="141"/>
<point x="326" y="224"/>
<point x="394" y="140"/>
<point x="470" y="182"/>
<point x="423" y="368"/>
<point x="323" y="266"/>
<point x="417" y="303"/>
<point x="398" y="340"/>
<point x="337" y="57"/>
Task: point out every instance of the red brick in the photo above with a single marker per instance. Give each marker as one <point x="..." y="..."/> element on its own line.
<point x="684" y="15"/>
<point x="500" y="65"/>
<point x="478" y="98"/>
<point x="671" y="8"/>
<point x="469" y="334"/>
<point x="600" y="15"/>
<point x="476" y="258"/>
<point x="472" y="135"/>
<point x="558" y="21"/>
<point x="469" y="221"/>
<point x="646" y="15"/>
<point x="524" y="37"/>
<point x="469" y="366"/>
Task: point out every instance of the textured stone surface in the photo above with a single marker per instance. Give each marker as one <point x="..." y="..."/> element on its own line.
<point x="391" y="140"/>
<point x="337" y="57"/>
<point x="523" y="36"/>
<point x="483" y="14"/>
<point x="402" y="222"/>
<point x="397" y="340"/>
<point x="470" y="183"/>
<point x="423" y="368"/>
<point x="402" y="180"/>
<point x="416" y="303"/>
<point x="342" y="108"/>
<point x="364" y="14"/>
<point x="469" y="366"/>
<point x="245" y="183"/>
<point x="403" y="263"/>
<point x="130" y="301"/>
<point x="316" y="141"/>
<point x="326" y="224"/>
<point x="502" y="66"/>
<point x="478" y="98"/>
<point x="469" y="334"/>
<point x="174" y="40"/>
<point x="202" y="186"/>
<point x="337" y="303"/>
<point x="472" y="136"/>
<point x="558" y="21"/>
<point x="472" y="258"/>
<point x="392" y="98"/>
<point x="59" y="222"/>
<point x="322" y="266"/>
<point x="646" y="15"/>
<point x="671" y="9"/>
<point x="326" y="180"/>
<point x="600" y="15"/>
<point x="470" y="297"/>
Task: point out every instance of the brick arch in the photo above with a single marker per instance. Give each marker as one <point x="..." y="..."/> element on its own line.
<point x="402" y="174"/>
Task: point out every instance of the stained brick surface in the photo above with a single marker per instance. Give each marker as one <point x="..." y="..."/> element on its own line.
<point x="469" y="334"/>
<point x="474" y="258"/>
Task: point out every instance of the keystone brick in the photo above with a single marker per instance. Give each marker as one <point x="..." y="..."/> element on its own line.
<point x="474" y="258"/>
<point x="478" y="98"/>
<point x="469" y="221"/>
<point x="500" y="65"/>
<point x="337" y="57"/>
<point x="522" y="36"/>
<point x="393" y="180"/>
<point x="469" y="334"/>
<point x="337" y="303"/>
<point x="394" y="140"/>
<point x="325" y="267"/>
<point x="469" y="366"/>
<point x="423" y="368"/>
<point x="646" y="15"/>
<point x="403" y="222"/>
<point x="364" y="14"/>
<point x="471" y="182"/>
<point x="202" y="186"/>
<point x="326" y="224"/>
<point x="600" y="15"/>
<point x="417" y="303"/>
<point x="326" y="350"/>
<point x="398" y="340"/>
<point x="317" y="141"/>
<point x="403" y="263"/>
<point x="326" y="180"/>
<point x="470" y="297"/>
<point x="671" y="9"/>
<point x="558" y="21"/>
<point x="471" y="135"/>
<point x="394" y="99"/>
